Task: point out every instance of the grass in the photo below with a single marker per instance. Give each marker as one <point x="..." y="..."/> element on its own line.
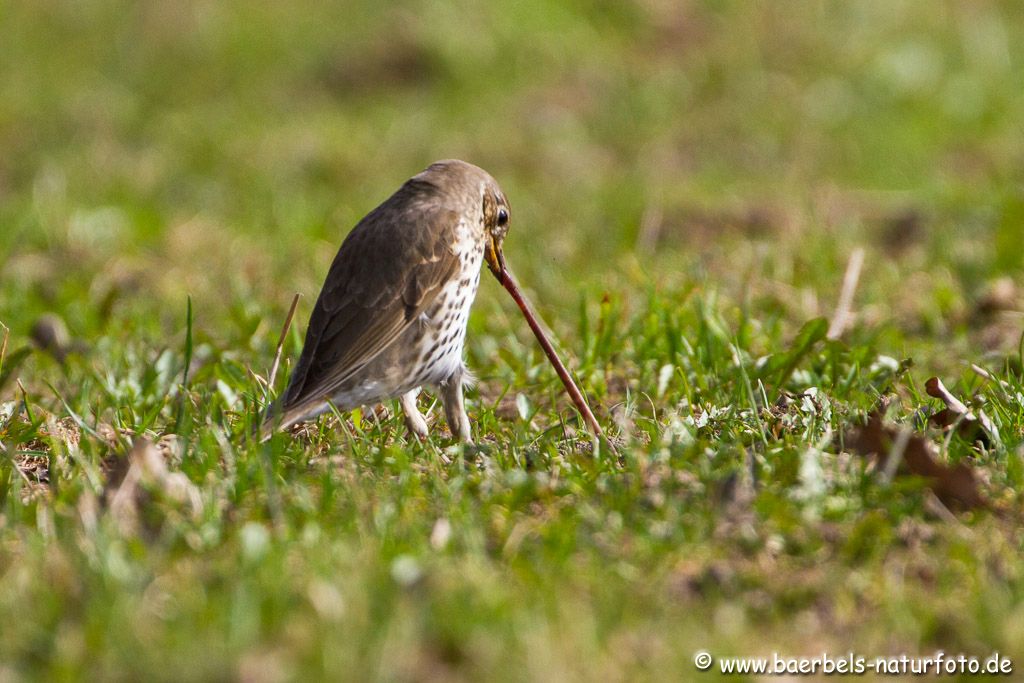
<point x="687" y="186"/>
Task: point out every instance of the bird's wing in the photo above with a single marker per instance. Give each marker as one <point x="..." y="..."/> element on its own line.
<point x="387" y="272"/>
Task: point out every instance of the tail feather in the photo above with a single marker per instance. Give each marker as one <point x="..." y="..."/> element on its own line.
<point x="279" y="417"/>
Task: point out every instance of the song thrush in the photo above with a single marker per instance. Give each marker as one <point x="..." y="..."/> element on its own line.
<point x="392" y="314"/>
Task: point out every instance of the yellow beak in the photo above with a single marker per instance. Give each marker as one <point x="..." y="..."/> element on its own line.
<point x="495" y="259"/>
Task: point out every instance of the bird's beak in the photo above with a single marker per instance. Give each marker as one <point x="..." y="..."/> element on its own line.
<point x="494" y="257"/>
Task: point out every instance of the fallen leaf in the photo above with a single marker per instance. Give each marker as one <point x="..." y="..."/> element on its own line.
<point x="955" y="485"/>
<point x="971" y="426"/>
<point x="936" y="389"/>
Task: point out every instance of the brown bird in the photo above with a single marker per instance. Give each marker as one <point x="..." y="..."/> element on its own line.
<point x="391" y="317"/>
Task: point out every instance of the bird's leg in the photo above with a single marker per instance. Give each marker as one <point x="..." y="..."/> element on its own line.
<point x="454" y="408"/>
<point x="414" y="420"/>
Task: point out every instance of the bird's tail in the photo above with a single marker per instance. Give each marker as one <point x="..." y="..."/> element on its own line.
<point x="279" y="416"/>
<point x="271" y="419"/>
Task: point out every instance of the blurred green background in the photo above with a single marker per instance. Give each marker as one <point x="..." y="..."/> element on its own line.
<point x="230" y="146"/>
<point x="687" y="181"/>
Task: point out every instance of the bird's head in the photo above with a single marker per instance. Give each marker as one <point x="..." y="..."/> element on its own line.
<point x="466" y="186"/>
<point x="497" y="219"/>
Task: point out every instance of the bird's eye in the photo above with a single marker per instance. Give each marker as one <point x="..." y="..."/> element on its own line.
<point x="502" y="217"/>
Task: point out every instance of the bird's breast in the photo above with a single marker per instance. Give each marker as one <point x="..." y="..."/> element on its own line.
<point x="441" y="334"/>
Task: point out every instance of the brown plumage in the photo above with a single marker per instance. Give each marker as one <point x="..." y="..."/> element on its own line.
<point x="392" y="314"/>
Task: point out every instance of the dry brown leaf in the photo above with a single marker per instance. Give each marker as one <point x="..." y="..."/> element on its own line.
<point x="936" y="389"/>
<point x="971" y="426"/>
<point x="955" y="485"/>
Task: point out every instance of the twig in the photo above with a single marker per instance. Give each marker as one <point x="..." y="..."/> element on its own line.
<point x="650" y="230"/>
<point x="841" y="318"/>
<point x="188" y="343"/>
<point x="939" y="509"/>
<point x="280" y="341"/>
<point x="183" y="398"/>
<point x="256" y="378"/>
<point x="982" y="372"/>
<point x="3" y="345"/>
<point x="899" y="447"/>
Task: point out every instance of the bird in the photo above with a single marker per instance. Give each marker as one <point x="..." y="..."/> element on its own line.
<point x="392" y="313"/>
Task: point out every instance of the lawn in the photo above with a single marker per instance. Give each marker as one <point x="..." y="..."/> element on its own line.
<point x="690" y="185"/>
